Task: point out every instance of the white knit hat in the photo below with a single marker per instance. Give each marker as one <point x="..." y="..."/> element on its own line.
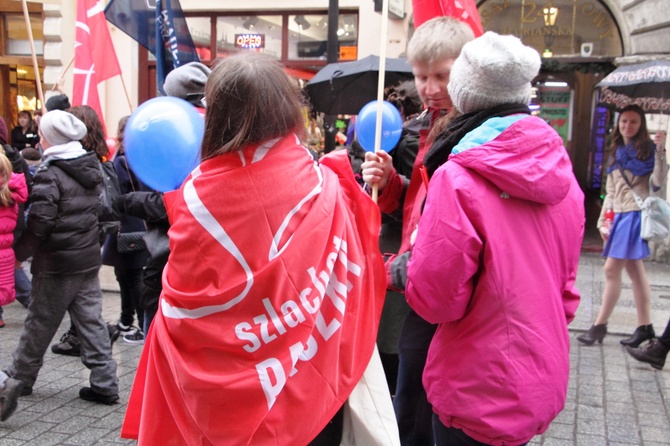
<point x="492" y="70"/>
<point x="59" y="127"/>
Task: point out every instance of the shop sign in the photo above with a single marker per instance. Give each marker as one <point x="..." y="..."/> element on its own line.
<point x="250" y="41"/>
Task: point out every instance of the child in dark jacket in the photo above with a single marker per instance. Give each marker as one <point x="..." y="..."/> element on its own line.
<point x="62" y="236"/>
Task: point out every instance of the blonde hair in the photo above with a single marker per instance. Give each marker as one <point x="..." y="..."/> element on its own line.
<point x="5" y="174"/>
<point x="437" y="39"/>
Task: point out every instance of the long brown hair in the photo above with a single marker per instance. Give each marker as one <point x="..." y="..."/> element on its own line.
<point x="120" y="131"/>
<point x="94" y="141"/>
<point x="250" y="99"/>
<point x="640" y="140"/>
<point x="440" y="125"/>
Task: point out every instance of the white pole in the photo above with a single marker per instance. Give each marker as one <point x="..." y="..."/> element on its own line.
<point x="380" y="85"/>
<point x="36" y="67"/>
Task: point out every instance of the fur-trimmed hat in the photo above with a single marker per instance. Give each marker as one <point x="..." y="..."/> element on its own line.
<point x="60" y="127"/>
<point x="493" y="70"/>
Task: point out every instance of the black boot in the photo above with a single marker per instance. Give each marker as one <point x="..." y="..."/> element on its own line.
<point x="641" y="334"/>
<point x="654" y="352"/>
<point x="595" y="333"/>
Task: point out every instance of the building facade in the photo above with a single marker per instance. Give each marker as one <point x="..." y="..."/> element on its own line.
<point x="580" y="41"/>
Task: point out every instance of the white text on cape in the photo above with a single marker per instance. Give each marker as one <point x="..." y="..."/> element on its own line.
<point x="264" y="328"/>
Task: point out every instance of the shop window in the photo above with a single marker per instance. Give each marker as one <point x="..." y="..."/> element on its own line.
<point x="200" y="30"/>
<point x="556" y="28"/>
<point x="552" y="101"/>
<point x="261" y="33"/>
<point x="23" y="87"/>
<point x="308" y="36"/>
<point x="17" y="42"/>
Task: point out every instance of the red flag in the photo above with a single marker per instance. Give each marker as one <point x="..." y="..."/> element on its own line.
<point x="270" y="305"/>
<point x="94" y="56"/>
<point x="464" y="10"/>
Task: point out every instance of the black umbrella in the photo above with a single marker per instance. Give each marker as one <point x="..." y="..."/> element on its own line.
<point x="646" y="84"/>
<point x="345" y="87"/>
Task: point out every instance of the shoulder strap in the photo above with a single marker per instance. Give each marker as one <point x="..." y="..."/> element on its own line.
<point x="131" y="177"/>
<point x="636" y="197"/>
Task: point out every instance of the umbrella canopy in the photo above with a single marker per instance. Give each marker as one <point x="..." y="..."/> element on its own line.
<point x="646" y="84"/>
<point x="345" y="87"/>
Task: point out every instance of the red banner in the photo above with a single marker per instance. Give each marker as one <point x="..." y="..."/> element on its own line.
<point x="271" y="302"/>
<point x="464" y="10"/>
<point x="94" y="56"/>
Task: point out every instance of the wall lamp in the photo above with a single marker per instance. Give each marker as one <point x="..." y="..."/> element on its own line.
<point x="250" y="22"/>
<point x="302" y="22"/>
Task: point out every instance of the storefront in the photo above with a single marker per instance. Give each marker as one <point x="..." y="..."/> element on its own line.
<point x="298" y="39"/>
<point x="579" y="41"/>
<point x="17" y="75"/>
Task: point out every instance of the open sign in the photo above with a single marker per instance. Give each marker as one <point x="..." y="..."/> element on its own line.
<point x="250" y="41"/>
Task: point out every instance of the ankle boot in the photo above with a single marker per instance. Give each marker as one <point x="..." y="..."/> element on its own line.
<point x="595" y="333"/>
<point x="641" y="334"/>
<point x="653" y="352"/>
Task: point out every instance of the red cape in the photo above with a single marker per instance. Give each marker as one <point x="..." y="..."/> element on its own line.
<point x="271" y="301"/>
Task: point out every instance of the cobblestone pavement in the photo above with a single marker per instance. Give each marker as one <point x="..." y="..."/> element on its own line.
<point x="612" y="399"/>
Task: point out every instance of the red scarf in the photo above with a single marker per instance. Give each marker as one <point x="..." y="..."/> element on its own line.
<point x="271" y="300"/>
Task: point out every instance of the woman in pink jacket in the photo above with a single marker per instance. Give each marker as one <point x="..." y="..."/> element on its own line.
<point x="496" y="255"/>
<point x="13" y="190"/>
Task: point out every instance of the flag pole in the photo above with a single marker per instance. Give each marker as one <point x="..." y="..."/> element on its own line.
<point x="62" y="75"/>
<point x="380" y="87"/>
<point x="125" y="90"/>
<point x="38" y="81"/>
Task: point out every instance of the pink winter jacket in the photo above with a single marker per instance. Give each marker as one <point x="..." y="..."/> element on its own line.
<point x="8" y="216"/>
<point x="494" y="264"/>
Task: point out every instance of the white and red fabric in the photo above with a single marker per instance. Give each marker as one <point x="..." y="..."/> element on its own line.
<point x="271" y="301"/>
<point x="94" y="56"/>
<point x="464" y="10"/>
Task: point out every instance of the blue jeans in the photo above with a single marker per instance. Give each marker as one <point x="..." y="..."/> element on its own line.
<point x="149" y="314"/>
<point x="23" y="287"/>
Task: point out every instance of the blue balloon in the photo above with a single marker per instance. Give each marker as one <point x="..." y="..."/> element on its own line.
<point x="162" y="141"/>
<point x="366" y="123"/>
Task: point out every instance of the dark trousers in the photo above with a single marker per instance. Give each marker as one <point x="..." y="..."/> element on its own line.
<point x="451" y="436"/>
<point x="130" y="287"/>
<point x="412" y="410"/>
<point x="53" y="296"/>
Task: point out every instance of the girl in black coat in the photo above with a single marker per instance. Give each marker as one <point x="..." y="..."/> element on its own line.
<point x="25" y="134"/>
